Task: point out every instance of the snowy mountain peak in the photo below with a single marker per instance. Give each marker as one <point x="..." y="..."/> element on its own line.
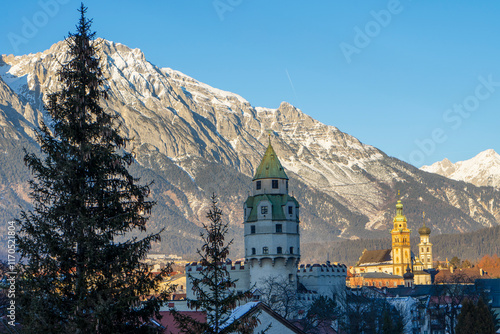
<point x="481" y="170"/>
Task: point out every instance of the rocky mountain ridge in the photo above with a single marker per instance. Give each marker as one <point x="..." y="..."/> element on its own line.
<point x="481" y="170"/>
<point x="193" y="139"/>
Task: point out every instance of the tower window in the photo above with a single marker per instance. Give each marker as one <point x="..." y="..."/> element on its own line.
<point x="279" y="228"/>
<point x="279" y="250"/>
<point x="275" y="184"/>
<point x="252" y="229"/>
<point x="290" y="210"/>
<point x="253" y="251"/>
<point x="291" y="250"/>
<point x="258" y="185"/>
<point x="265" y="250"/>
<point x="427" y="248"/>
<point x="263" y="209"/>
<point x="286" y="185"/>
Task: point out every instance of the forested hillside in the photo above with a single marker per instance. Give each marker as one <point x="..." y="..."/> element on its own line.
<point x="471" y="246"/>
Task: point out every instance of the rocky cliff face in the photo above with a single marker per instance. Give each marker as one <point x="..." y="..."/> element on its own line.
<point x="481" y="170"/>
<point x="193" y="139"/>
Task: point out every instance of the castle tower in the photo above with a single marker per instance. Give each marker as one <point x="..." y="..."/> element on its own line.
<point x="425" y="246"/>
<point x="271" y="224"/>
<point x="401" y="254"/>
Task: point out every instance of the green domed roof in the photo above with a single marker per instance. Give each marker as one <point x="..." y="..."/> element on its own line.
<point x="270" y="166"/>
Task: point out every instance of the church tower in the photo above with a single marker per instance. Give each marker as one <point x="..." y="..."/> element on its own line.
<point x="271" y="224"/>
<point x="425" y="246"/>
<point x="401" y="254"/>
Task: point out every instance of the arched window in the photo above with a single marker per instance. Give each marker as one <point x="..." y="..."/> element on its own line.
<point x="427" y="248"/>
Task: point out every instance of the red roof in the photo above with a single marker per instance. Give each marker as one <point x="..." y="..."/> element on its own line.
<point x="168" y="322"/>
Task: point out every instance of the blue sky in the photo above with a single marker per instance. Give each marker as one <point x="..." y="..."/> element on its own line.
<point x="419" y="80"/>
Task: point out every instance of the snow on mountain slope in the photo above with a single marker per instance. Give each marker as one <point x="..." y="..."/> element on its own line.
<point x="481" y="170"/>
<point x="193" y="139"/>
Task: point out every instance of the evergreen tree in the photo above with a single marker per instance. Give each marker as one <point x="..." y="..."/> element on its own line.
<point x="475" y="318"/>
<point x="83" y="271"/>
<point x="214" y="287"/>
<point x="484" y="319"/>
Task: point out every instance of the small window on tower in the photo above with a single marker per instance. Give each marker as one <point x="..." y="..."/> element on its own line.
<point x="253" y="251"/>
<point x="286" y="185"/>
<point x="279" y="250"/>
<point x="275" y="184"/>
<point x="291" y="250"/>
<point x="279" y="228"/>
<point x="258" y="185"/>
<point x="427" y="248"/>
<point x="265" y="250"/>
<point x="263" y="210"/>
<point x="290" y="210"/>
<point x="252" y="229"/>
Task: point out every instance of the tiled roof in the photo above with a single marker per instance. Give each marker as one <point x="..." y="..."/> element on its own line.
<point x="375" y="256"/>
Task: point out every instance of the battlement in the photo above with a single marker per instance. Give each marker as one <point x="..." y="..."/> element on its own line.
<point x="230" y="266"/>
<point x="322" y="269"/>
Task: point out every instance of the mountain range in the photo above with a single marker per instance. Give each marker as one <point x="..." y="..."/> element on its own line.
<point x="481" y="170"/>
<point x="193" y="140"/>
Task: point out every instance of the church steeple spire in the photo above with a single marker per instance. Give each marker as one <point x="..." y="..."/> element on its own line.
<point x="270" y="166"/>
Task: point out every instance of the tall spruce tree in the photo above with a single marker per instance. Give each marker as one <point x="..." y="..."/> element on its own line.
<point x="214" y="287"/>
<point x="83" y="271"/>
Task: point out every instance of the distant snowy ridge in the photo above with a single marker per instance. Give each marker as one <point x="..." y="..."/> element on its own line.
<point x="482" y="170"/>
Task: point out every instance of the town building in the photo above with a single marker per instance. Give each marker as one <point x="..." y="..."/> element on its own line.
<point x="387" y="267"/>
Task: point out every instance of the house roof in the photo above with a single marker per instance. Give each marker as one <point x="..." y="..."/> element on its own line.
<point x="381" y="276"/>
<point x="270" y="166"/>
<point x="464" y="275"/>
<point x="167" y="320"/>
<point x="373" y="257"/>
<point x="252" y="308"/>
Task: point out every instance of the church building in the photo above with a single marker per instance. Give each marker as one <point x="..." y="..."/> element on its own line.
<point x="398" y="263"/>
